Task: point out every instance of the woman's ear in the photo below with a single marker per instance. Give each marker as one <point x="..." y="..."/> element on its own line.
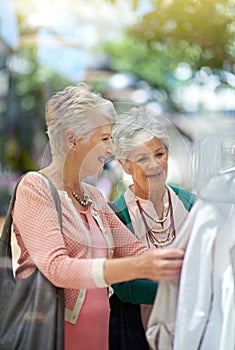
<point x="125" y="165"/>
<point x="69" y="139"/>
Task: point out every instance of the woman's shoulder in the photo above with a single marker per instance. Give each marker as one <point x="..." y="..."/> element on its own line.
<point x="188" y="198"/>
<point x="31" y="177"/>
<point x="33" y="182"/>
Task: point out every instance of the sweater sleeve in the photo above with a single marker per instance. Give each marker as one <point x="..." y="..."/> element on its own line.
<point x="136" y="291"/>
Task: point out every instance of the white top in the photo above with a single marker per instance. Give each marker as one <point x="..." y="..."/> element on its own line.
<point x="206" y="306"/>
<point x="161" y="323"/>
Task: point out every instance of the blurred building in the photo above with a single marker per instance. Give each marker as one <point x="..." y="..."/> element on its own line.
<point x="9" y="38"/>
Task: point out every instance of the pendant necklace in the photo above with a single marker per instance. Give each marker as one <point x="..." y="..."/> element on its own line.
<point x="151" y="234"/>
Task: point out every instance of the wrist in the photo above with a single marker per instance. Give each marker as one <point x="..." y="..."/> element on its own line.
<point x="121" y="270"/>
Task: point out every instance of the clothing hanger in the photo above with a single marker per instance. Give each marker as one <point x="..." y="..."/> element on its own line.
<point x="226" y="171"/>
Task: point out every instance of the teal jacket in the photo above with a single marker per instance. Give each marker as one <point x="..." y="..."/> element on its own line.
<point x="142" y="291"/>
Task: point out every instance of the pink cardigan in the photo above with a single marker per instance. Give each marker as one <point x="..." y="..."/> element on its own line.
<point x="65" y="259"/>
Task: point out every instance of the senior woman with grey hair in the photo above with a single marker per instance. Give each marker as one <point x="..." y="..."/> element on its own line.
<point x="151" y="209"/>
<point x="95" y="249"/>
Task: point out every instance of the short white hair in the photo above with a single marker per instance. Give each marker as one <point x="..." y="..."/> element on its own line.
<point x="76" y="108"/>
<point x="136" y="127"/>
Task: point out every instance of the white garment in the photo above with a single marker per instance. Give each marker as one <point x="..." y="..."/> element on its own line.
<point x="227" y="339"/>
<point x="205" y="313"/>
<point x="161" y="323"/>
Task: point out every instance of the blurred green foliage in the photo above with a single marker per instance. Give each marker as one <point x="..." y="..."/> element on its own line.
<point x="30" y="86"/>
<point x="197" y="32"/>
<point x="22" y="120"/>
<point x="200" y="33"/>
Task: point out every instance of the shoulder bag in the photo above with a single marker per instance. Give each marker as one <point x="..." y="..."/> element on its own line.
<point x="31" y="309"/>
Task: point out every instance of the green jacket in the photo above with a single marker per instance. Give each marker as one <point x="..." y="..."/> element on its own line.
<point x="142" y="291"/>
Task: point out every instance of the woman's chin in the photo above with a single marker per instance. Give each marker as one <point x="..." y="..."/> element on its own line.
<point x="156" y="181"/>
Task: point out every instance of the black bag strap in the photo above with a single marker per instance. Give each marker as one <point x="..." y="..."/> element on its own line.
<point x="6" y="232"/>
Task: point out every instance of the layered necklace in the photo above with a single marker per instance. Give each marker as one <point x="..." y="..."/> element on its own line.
<point x="152" y="235"/>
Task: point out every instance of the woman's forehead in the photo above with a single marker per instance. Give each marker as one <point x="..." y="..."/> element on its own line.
<point x="147" y="147"/>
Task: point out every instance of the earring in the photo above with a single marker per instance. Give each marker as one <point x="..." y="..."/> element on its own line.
<point x="74" y="147"/>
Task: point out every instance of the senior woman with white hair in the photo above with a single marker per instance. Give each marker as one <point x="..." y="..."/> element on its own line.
<point x="151" y="209"/>
<point x="96" y="249"/>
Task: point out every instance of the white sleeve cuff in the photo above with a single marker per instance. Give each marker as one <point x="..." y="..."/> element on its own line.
<point x="98" y="273"/>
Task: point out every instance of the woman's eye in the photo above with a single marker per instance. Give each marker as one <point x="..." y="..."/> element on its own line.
<point x="141" y="160"/>
<point x="159" y="155"/>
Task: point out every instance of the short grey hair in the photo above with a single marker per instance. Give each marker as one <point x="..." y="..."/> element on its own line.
<point x="76" y="108"/>
<point x="136" y="127"/>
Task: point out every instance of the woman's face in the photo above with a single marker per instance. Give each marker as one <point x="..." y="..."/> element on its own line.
<point x="148" y="165"/>
<point x="92" y="153"/>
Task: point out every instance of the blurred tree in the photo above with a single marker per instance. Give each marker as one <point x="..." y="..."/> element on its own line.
<point x="199" y="33"/>
<point x="30" y="86"/>
<point x="161" y="35"/>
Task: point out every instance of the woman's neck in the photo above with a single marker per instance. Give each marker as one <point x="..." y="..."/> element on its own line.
<point x="66" y="179"/>
<point x="65" y="174"/>
<point x="155" y="195"/>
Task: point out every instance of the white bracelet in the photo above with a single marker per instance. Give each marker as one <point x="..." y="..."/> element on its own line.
<point x="98" y="273"/>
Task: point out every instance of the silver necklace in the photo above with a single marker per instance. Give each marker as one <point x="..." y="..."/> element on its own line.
<point x="84" y="202"/>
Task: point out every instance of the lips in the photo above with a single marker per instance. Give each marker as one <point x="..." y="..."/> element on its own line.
<point x="152" y="176"/>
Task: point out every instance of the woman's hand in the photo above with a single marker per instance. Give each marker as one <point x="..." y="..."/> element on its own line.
<point x="160" y="264"/>
<point x="156" y="265"/>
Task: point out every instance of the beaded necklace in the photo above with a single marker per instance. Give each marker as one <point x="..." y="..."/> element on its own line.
<point x="84" y="202"/>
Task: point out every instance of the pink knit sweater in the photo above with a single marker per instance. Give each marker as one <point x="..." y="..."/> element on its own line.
<point x="65" y="259"/>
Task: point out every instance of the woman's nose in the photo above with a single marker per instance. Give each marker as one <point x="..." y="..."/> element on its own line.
<point x="109" y="148"/>
<point x="154" y="163"/>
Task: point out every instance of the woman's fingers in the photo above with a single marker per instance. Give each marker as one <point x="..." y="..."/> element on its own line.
<point x="169" y="253"/>
<point x="164" y="264"/>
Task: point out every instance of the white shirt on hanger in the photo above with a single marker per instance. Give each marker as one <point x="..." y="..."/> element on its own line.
<point x="206" y="296"/>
